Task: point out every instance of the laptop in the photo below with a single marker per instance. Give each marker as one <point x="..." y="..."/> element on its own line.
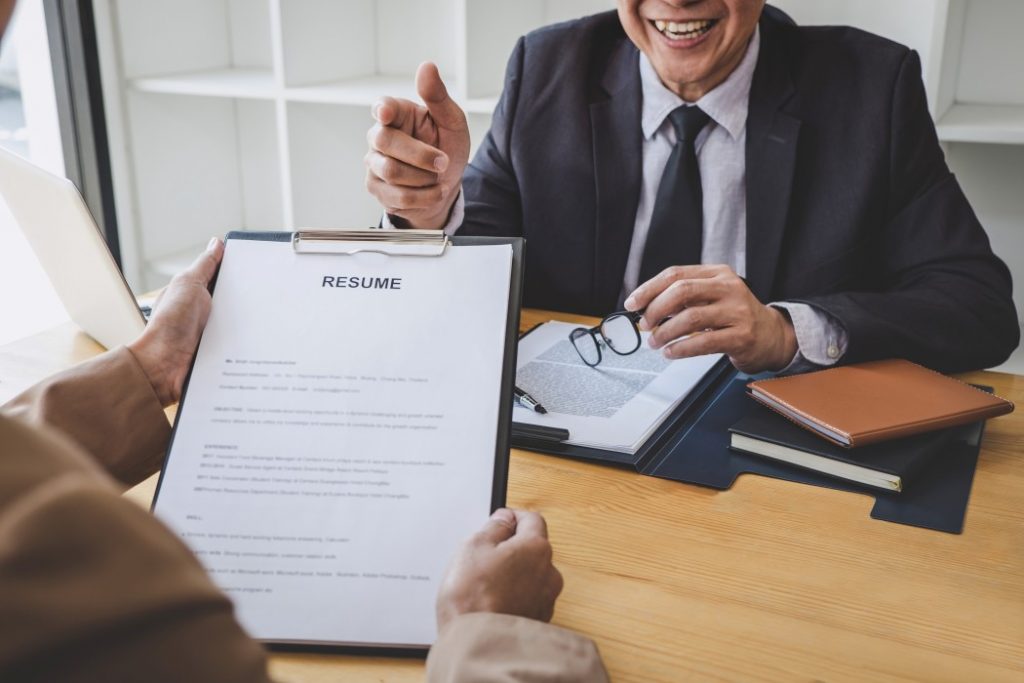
<point x="58" y="226"/>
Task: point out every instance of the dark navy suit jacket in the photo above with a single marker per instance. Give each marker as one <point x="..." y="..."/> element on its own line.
<point x="850" y="205"/>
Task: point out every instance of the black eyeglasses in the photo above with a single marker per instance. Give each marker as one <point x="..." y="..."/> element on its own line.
<point x="617" y="331"/>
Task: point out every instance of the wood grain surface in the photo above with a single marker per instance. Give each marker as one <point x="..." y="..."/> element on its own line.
<point x="768" y="581"/>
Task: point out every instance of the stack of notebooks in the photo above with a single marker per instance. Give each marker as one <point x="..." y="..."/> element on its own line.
<point x="880" y="424"/>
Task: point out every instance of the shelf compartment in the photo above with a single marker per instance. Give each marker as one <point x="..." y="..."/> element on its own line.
<point x="492" y="28"/>
<point x="330" y="48"/>
<point x="234" y="82"/>
<point x="409" y="33"/>
<point x="202" y="166"/>
<point x="988" y="123"/>
<point x="159" y="38"/>
<point x="326" y="40"/>
<point x="990" y="53"/>
<point x="327" y="143"/>
<point x="980" y="97"/>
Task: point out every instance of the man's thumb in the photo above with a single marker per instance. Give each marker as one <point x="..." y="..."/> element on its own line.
<point x="499" y="528"/>
<point x="442" y="107"/>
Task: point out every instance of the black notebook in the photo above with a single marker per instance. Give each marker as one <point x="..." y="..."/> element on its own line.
<point x="888" y="465"/>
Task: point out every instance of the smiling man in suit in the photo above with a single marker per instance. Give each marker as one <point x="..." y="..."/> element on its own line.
<point x="768" y="191"/>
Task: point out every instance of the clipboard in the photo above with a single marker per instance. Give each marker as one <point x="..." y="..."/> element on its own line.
<point x="426" y="244"/>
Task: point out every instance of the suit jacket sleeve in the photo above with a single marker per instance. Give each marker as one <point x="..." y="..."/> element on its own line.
<point x="943" y="298"/>
<point x="507" y="649"/>
<point x="489" y="185"/>
<point x="107" y="407"/>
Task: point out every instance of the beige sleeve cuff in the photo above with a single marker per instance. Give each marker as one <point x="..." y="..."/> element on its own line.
<point x="498" y="647"/>
<point x="107" y="406"/>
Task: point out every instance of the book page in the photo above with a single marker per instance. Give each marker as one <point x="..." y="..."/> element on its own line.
<point x="337" y="439"/>
<point x="614" y="406"/>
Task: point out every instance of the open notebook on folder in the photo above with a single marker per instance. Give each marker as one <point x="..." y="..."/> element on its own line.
<point x="615" y="406"/>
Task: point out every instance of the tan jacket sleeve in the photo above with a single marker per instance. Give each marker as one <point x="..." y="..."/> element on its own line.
<point x="106" y="406"/>
<point x="94" y="588"/>
<point x="505" y="649"/>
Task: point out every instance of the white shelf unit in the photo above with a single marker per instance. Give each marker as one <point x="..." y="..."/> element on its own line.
<point x="252" y="114"/>
<point x="973" y="66"/>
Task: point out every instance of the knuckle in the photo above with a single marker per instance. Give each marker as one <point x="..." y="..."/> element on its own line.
<point x="682" y="288"/>
<point x="388" y="170"/>
<point x="540" y="547"/>
<point x="379" y="137"/>
<point x="405" y="198"/>
<point x="425" y="157"/>
<point x="744" y="340"/>
<point x="557" y="582"/>
<point x="676" y="350"/>
<point x="694" y="318"/>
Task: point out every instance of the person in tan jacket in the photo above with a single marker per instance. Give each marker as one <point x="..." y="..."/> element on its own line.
<point x="94" y="588"/>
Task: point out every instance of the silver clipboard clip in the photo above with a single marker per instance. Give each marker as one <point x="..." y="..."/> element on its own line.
<point x="371" y="240"/>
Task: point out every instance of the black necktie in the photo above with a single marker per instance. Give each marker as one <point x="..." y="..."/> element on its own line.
<point x="677" y="223"/>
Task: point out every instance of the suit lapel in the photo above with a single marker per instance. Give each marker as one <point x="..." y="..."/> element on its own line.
<point x="772" y="137"/>
<point x="617" y="148"/>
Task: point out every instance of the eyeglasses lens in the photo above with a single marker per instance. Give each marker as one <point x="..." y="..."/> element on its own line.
<point x="621" y="334"/>
<point x="586" y="346"/>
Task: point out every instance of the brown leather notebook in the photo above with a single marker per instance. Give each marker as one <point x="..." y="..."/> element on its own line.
<point x="856" y="405"/>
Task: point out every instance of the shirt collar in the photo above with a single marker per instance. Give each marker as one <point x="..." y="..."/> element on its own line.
<point x="726" y="104"/>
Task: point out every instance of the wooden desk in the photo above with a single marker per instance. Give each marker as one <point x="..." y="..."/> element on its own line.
<point x="770" y="580"/>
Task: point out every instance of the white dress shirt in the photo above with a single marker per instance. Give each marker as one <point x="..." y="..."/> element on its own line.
<point x="721" y="156"/>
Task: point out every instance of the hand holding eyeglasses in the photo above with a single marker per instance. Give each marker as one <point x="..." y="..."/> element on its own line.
<point x="701" y="309"/>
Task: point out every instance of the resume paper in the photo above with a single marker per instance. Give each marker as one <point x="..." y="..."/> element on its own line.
<point x="338" y="437"/>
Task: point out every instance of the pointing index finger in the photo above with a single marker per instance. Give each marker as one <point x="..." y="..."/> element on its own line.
<point x="394" y="112"/>
<point x="648" y="291"/>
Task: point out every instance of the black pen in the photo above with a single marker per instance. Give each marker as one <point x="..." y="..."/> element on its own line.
<point x="527" y="401"/>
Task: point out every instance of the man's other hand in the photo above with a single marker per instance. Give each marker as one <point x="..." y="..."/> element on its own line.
<point x="695" y="310"/>
<point x="417" y="154"/>
<point x="504" y="568"/>
<point x="166" y="346"/>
